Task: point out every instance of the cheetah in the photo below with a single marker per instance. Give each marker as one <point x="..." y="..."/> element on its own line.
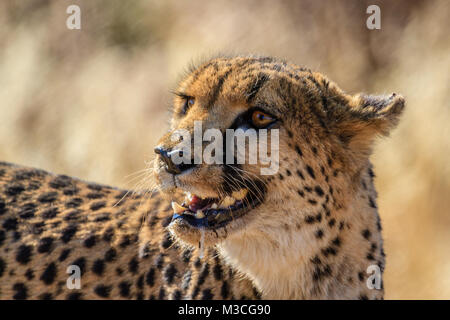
<point x="216" y="231"/>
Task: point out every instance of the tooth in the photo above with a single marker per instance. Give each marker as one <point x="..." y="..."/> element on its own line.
<point x="214" y="206"/>
<point x="239" y="195"/>
<point x="228" y="201"/>
<point x="188" y="195"/>
<point x="177" y="208"/>
<point x="199" y="214"/>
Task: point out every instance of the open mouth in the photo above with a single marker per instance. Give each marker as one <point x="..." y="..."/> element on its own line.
<point x="213" y="213"/>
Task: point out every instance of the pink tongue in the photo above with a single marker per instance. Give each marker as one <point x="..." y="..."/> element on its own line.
<point x="195" y="204"/>
<point x="198" y="203"/>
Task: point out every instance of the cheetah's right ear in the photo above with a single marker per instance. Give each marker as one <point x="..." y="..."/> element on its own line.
<point x="367" y="117"/>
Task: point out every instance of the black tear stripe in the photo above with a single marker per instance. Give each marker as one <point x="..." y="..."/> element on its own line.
<point x="262" y="78"/>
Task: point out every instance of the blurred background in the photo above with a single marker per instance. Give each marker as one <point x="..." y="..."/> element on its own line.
<point x="92" y="103"/>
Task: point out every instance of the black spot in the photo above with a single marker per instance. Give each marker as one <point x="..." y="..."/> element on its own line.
<point x="74" y="296"/>
<point x="27" y="211"/>
<point x="45" y="244"/>
<point x="71" y="191"/>
<point x="319" y="191"/>
<point x="301" y="193"/>
<point x="366" y="234"/>
<point x="46" y="296"/>
<point x="288" y="173"/>
<point x="50" y="213"/>
<point x="207" y="294"/>
<point x="150" y="277"/>
<point x="95" y="187"/>
<point x="124" y="289"/>
<point x="98" y="205"/>
<point x="363" y="297"/>
<point x="119" y="271"/>
<point x="108" y="234"/>
<point x="316" y="260"/>
<point x="167" y="241"/>
<point x="68" y="233"/>
<point x="329" y="250"/>
<point x="110" y="254"/>
<point x="98" y="267"/>
<point x="370" y="256"/>
<point x="186" y="255"/>
<point x="337" y="242"/>
<point x="95" y="195"/>
<point x="48" y="197"/>
<point x="310" y="172"/>
<point x="64" y="254"/>
<point x="300" y="174"/>
<point x="140" y="282"/>
<point x="133" y="265"/>
<point x="74" y="203"/>
<point x="48" y="276"/>
<point x="299" y="151"/>
<point x="332" y="222"/>
<point x="372" y="203"/>
<point x="23" y="255"/>
<point x="203" y="274"/>
<point x="81" y="263"/>
<point x="60" y="182"/>
<point x="20" y="291"/>
<point x="2" y="267"/>
<point x="217" y="272"/>
<point x="319" y="234"/>
<point x="14" y="189"/>
<point x="313" y="202"/>
<point x="360" y="276"/>
<point x="159" y="261"/>
<point x="319" y="217"/>
<point x="310" y="219"/>
<point x="166" y="221"/>
<point x="176" y="295"/>
<point x="29" y="274"/>
<point x="2" y="207"/>
<point x="72" y="215"/>
<point x="16" y="235"/>
<point x="102" y="290"/>
<point x="90" y="241"/>
<point x="162" y="294"/>
<point x="10" y="224"/>
<point x="2" y="237"/>
<point x="170" y="273"/>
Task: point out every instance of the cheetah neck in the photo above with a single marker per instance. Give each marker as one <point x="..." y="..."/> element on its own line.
<point x="290" y="262"/>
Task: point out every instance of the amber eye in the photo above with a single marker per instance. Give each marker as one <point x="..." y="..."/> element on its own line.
<point x="261" y="119"/>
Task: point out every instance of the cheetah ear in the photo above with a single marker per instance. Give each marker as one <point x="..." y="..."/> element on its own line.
<point x="368" y="117"/>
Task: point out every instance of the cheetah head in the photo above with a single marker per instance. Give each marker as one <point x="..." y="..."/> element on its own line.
<point x="322" y="135"/>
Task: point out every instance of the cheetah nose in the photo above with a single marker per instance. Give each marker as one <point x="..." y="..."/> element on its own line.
<point x="166" y="156"/>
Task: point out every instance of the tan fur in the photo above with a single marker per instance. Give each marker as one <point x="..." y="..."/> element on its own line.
<point x="313" y="236"/>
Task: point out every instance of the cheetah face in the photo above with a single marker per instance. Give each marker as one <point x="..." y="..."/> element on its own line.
<point x="221" y="199"/>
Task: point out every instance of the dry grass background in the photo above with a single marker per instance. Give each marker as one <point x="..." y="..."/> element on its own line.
<point x="92" y="102"/>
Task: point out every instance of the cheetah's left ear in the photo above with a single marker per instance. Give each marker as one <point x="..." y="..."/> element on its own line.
<point x="367" y="117"/>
